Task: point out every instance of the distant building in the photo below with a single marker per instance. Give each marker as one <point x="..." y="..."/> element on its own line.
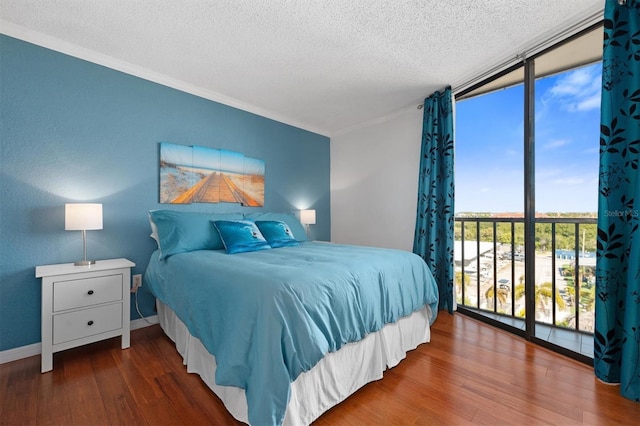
<point x="584" y="259"/>
<point x="471" y="252"/>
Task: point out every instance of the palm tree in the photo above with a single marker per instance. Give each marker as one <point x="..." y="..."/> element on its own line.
<point x="587" y="298"/>
<point x="502" y="296"/>
<point x="458" y="278"/>
<point x="543" y="293"/>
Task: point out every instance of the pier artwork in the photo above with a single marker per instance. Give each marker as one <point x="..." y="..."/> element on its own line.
<point x="206" y="175"/>
<point x="219" y="188"/>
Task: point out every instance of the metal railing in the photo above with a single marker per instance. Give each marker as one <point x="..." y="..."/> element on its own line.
<point x="490" y="262"/>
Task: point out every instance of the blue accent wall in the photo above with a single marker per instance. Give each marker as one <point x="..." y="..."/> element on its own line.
<point x="74" y="131"/>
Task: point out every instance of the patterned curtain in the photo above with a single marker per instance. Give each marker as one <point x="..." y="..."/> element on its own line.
<point x="617" y="329"/>
<point x="433" y="238"/>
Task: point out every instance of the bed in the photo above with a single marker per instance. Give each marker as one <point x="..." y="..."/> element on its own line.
<point x="283" y="334"/>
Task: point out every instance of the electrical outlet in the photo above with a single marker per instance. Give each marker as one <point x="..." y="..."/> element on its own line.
<point x="137" y="282"/>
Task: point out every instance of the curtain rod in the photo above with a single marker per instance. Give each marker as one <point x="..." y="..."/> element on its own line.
<point x="583" y="24"/>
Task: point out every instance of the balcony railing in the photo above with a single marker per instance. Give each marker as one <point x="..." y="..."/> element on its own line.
<point x="489" y="254"/>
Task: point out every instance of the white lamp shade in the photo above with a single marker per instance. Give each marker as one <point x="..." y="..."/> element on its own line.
<point x="308" y="217"/>
<point x="82" y="216"/>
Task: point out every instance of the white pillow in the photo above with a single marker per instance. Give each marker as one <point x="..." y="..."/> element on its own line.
<point x="154" y="231"/>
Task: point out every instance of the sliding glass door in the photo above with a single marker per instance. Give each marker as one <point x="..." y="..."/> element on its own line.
<point x="526" y="192"/>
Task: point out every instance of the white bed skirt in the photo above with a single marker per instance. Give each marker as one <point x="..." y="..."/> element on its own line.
<point x="331" y="381"/>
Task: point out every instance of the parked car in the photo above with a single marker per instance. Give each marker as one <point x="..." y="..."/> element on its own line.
<point x="504" y="284"/>
<point x="516" y="256"/>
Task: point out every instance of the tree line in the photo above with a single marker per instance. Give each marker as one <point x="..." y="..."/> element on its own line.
<point x="565" y="234"/>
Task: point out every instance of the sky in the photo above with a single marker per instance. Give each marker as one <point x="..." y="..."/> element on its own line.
<point x="211" y="158"/>
<point x="489" y="156"/>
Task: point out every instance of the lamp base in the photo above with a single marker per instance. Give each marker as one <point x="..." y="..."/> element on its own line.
<point x="84" y="263"/>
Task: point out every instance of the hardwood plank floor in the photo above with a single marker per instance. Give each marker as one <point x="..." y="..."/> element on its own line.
<point x="470" y="373"/>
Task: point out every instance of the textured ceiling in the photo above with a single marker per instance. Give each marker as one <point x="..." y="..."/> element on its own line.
<point x="323" y="65"/>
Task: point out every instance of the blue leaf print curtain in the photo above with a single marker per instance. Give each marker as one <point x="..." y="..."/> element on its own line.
<point x="617" y="328"/>
<point x="433" y="238"/>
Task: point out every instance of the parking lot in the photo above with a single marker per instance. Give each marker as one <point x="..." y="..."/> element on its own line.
<point x="509" y="275"/>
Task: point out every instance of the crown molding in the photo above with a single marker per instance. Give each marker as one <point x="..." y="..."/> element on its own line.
<point x="67" y="48"/>
<point x="384" y="118"/>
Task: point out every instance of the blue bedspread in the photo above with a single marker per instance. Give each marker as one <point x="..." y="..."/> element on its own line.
<point x="267" y="316"/>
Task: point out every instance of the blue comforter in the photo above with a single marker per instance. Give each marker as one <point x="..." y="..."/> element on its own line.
<point x="268" y="316"/>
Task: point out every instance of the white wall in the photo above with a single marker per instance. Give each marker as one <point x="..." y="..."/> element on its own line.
<point x="374" y="182"/>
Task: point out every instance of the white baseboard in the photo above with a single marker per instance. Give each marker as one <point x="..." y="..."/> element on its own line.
<point x="142" y="322"/>
<point x="36" y="349"/>
<point x="20" y="353"/>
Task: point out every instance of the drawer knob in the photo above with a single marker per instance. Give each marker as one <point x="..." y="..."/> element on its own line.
<point x="90" y="322"/>
<point x="90" y="292"/>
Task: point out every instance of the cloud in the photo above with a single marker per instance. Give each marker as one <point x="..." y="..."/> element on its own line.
<point x="542" y="173"/>
<point x="592" y="102"/>
<point x="556" y="143"/>
<point x="569" y="181"/>
<point x="579" y="90"/>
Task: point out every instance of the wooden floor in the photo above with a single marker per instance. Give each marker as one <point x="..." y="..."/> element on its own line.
<point x="470" y="373"/>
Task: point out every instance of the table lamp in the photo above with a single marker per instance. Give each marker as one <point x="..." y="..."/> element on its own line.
<point x="83" y="217"/>
<point x="307" y="217"/>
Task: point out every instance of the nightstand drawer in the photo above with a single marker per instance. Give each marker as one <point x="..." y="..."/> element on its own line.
<point x="84" y="304"/>
<point x="86" y="322"/>
<point x="78" y="293"/>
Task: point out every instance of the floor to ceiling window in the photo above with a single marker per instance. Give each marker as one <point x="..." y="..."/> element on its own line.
<point x="567" y="130"/>
<point x="526" y="195"/>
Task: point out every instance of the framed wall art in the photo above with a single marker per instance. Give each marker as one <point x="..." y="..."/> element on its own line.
<point x="196" y="174"/>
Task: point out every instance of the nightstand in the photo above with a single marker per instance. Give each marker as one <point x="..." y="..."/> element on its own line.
<point x="83" y="304"/>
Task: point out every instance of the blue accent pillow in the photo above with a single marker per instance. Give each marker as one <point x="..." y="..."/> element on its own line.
<point x="239" y="236"/>
<point x="299" y="233"/>
<point x="180" y="232"/>
<point x="277" y="233"/>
